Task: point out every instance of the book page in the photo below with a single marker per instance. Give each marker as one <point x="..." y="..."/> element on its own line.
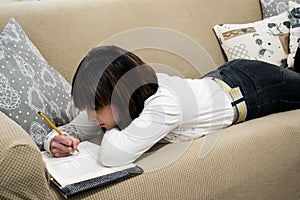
<point x="80" y="166"/>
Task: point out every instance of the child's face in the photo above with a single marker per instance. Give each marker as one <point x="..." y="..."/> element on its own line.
<point x="104" y="117"/>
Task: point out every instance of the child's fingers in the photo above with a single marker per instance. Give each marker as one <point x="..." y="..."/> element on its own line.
<point x="63" y="145"/>
<point x="59" y="150"/>
<point x="75" y="143"/>
<point x="65" y="140"/>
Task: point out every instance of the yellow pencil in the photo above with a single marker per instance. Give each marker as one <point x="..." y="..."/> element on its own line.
<point x="52" y="125"/>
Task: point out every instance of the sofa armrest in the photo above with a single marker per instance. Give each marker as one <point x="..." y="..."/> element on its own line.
<point x="23" y="174"/>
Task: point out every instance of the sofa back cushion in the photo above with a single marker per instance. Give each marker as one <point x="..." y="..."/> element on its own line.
<point x="64" y="31"/>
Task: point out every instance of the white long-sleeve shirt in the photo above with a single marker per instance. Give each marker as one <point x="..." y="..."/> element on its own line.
<point x="181" y="109"/>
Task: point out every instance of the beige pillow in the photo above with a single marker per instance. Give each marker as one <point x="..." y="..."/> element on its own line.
<point x="265" y="40"/>
<point x="294" y="9"/>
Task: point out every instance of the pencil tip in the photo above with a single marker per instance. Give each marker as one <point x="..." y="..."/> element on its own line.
<point x="39" y="112"/>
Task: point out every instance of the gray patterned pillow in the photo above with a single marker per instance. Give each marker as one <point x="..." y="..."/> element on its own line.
<point x="274" y="7"/>
<point x="28" y="84"/>
<point x="294" y="9"/>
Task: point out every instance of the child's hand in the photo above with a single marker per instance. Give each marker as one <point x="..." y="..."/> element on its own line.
<point x="61" y="146"/>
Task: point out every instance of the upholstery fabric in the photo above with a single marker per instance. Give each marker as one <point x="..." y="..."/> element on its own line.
<point x="242" y="163"/>
<point x="23" y="174"/>
<point x="72" y="41"/>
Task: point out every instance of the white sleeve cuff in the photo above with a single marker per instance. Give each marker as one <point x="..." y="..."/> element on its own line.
<point x="48" y="140"/>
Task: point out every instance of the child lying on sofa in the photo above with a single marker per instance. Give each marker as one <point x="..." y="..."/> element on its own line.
<point x="137" y="107"/>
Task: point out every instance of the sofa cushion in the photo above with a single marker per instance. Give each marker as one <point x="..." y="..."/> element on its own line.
<point x="28" y="84"/>
<point x="23" y="174"/>
<point x="274" y="7"/>
<point x="294" y="10"/>
<point x="265" y="40"/>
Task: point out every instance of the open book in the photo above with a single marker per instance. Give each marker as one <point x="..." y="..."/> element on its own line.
<point x="82" y="171"/>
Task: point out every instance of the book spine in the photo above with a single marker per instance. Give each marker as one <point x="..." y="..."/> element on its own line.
<point x="83" y="186"/>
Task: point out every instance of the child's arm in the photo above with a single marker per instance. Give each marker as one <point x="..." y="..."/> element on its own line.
<point x="120" y="147"/>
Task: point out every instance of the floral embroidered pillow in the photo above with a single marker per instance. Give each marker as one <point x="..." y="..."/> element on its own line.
<point x="294" y="9"/>
<point x="274" y="7"/>
<point x="28" y="84"/>
<point x="265" y="40"/>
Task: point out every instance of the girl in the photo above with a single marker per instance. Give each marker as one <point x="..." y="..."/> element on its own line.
<point x="137" y="107"/>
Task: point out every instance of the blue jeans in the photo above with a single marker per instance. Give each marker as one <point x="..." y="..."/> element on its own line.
<point x="266" y="88"/>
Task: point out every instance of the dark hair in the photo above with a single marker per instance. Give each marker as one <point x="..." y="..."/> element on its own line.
<point x="109" y="75"/>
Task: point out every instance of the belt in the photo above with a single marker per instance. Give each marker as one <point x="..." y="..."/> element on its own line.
<point x="238" y="101"/>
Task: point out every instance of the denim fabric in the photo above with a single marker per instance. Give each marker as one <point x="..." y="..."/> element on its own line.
<point x="297" y="61"/>
<point x="266" y="88"/>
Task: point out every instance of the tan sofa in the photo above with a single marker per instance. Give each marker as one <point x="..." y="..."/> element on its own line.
<point x="258" y="159"/>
